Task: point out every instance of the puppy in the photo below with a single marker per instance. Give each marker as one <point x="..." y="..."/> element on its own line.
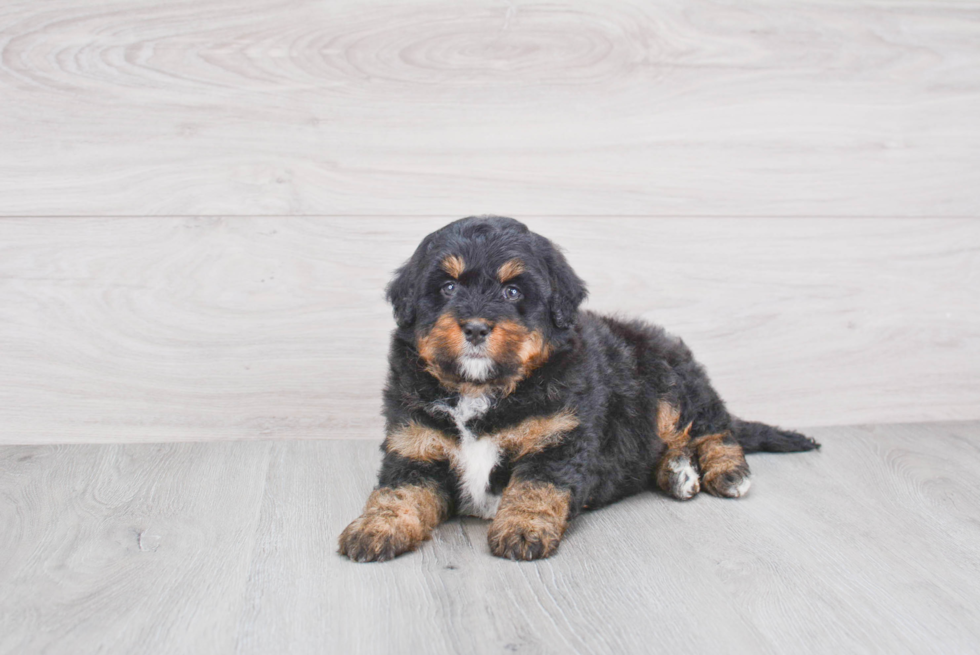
<point x="505" y="402"/>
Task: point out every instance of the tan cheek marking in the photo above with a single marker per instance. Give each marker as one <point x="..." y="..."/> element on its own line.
<point x="535" y="434"/>
<point x="510" y="341"/>
<point x="453" y="265"/>
<point x="668" y="418"/>
<point x="533" y="353"/>
<point x="506" y="338"/>
<point x="512" y="338"/>
<point x="530" y="513"/>
<point x="420" y="443"/>
<point x="445" y="335"/>
<point x="509" y="270"/>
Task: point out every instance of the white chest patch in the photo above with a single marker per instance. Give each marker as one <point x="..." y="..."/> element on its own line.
<point x="474" y="460"/>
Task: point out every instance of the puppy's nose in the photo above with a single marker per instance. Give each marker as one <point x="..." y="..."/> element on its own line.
<point x="476" y="331"/>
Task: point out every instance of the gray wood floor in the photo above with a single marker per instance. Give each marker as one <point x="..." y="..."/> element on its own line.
<point x="870" y="545"/>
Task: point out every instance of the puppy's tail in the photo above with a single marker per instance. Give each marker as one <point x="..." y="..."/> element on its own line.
<point x="759" y="437"/>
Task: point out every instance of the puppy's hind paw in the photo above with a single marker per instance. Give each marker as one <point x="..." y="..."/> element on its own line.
<point x="734" y="483"/>
<point x="724" y="471"/>
<point x="677" y="476"/>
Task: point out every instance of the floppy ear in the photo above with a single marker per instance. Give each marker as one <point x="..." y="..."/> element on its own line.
<point x="567" y="290"/>
<point x="401" y="295"/>
<point x="403" y="290"/>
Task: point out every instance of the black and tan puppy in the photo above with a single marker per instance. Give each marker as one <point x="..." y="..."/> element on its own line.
<point x="505" y="402"/>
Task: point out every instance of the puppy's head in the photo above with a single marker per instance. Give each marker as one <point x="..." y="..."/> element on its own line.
<point x="485" y="301"/>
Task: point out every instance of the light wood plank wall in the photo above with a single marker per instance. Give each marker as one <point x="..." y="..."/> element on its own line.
<point x="200" y="203"/>
<point x="202" y="328"/>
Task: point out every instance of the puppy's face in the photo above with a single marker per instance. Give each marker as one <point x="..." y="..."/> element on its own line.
<point x="484" y="322"/>
<point x="485" y="301"/>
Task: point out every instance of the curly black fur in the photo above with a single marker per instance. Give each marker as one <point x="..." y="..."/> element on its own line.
<point x="620" y="380"/>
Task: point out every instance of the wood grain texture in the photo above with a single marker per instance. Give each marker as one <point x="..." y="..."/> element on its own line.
<point x="870" y="545"/>
<point x="195" y="329"/>
<point x="124" y="548"/>
<point x="682" y="107"/>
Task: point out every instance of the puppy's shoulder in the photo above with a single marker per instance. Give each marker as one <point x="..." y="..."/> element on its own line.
<point x="642" y="336"/>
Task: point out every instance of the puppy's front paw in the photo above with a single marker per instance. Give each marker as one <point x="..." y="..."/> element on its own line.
<point x="523" y="538"/>
<point x="376" y="538"/>
<point x="530" y="522"/>
<point x="394" y="521"/>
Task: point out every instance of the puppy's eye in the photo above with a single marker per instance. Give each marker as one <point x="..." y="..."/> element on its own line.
<point x="512" y="293"/>
<point x="448" y="289"/>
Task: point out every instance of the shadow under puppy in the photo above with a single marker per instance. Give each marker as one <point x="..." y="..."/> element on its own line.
<point x="505" y="402"/>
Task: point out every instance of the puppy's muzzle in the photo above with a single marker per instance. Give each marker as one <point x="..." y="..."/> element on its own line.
<point x="476" y="331"/>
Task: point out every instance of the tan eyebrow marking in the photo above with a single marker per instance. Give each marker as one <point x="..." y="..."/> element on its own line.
<point x="510" y="269"/>
<point x="454" y="265"/>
